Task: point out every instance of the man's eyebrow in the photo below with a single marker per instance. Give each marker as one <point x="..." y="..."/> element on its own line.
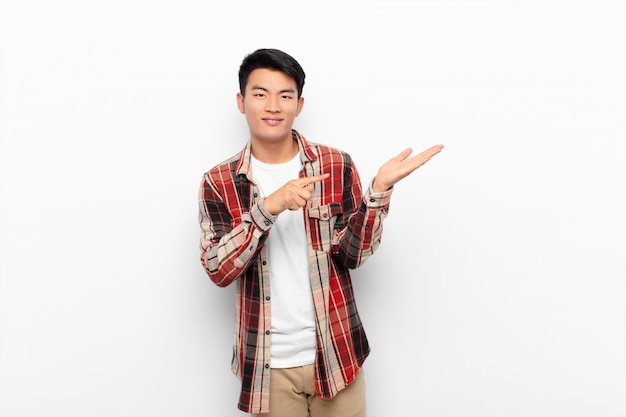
<point x="284" y="90"/>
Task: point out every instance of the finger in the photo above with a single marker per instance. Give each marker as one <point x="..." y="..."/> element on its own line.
<point x="428" y="153"/>
<point x="303" y="182"/>
<point x="433" y="150"/>
<point x="423" y="157"/>
<point x="296" y="202"/>
<point x="402" y="155"/>
<point x="304" y="193"/>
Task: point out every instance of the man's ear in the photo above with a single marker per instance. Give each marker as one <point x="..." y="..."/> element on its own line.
<point x="300" y="105"/>
<point x="242" y="108"/>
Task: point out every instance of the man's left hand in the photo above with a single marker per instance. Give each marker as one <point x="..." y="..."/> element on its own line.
<point x="401" y="166"/>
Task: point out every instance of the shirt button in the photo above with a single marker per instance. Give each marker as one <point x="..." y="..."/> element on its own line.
<point x="372" y="200"/>
<point x="267" y="365"/>
<point x="267" y="222"/>
<point x="267" y="332"/>
<point x="264" y="262"/>
<point x="267" y="298"/>
<point x="255" y="195"/>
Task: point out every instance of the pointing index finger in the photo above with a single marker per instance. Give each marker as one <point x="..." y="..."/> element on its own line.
<point x="310" y="180"/>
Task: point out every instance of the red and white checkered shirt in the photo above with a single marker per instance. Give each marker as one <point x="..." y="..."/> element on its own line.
<point x="343" y="228"/>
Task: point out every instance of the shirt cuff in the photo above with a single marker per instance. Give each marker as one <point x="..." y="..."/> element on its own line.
<point x="261" y="217"/>
<point x="377" y="200"/>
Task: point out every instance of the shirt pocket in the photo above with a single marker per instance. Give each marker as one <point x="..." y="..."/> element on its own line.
<point x="322" y="220"/>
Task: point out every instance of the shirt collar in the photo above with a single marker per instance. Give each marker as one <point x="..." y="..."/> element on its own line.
<point x="307" y="154"/>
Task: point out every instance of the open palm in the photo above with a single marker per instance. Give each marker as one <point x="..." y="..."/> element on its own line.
<point x="401" y="166"/>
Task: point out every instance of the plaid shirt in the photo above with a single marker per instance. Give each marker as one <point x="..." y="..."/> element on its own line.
<point x="343" y="228"/>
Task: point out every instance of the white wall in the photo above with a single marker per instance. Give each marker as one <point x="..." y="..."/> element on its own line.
<point x="500" y="285"/>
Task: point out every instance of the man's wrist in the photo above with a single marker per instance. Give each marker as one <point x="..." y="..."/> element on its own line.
<point x="377" y="188"/>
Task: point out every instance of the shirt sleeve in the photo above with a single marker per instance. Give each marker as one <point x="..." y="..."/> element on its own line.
<point x="377" y="200"/>
<point x="362" y="233"/>
<point x="229" y="246"/>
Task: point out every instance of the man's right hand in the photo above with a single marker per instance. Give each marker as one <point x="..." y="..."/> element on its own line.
<point x="292" y="195"/>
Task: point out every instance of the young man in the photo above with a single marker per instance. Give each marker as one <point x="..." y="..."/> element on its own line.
<point x="285" y="220"/>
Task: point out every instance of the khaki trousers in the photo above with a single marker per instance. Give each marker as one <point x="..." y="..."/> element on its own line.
<point x="292" y="394"/>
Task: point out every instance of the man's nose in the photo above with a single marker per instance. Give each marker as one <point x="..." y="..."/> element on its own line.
<point x="272" y="104"/>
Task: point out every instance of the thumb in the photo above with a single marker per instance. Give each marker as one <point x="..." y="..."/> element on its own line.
<point x="402" y="155"/>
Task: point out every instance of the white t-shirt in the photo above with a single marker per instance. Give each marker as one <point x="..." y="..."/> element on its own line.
<point x="293" y="323"/>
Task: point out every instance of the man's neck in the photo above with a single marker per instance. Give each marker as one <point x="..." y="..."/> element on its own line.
<point x="274" y="152"/>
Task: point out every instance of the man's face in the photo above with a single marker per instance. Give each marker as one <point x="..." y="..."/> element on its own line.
<point x="270" y="105"/>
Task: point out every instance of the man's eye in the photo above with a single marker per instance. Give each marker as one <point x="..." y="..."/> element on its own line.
<point x="287" y="97"/>
<point x="260" y="95"/>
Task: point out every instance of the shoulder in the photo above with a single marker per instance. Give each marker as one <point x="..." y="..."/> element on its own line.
<point x="330" y="155"/>
<point x="224" y="170"/>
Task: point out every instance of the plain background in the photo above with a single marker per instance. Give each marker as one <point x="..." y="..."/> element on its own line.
<point x="500" y="286"/>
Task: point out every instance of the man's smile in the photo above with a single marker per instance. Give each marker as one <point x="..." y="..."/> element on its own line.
<point x="272" y="121"/>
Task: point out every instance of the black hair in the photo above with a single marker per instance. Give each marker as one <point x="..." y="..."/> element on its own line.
<point x="273" y="59"/>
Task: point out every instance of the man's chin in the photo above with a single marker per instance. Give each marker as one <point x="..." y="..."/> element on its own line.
<point x="273" y="137"/>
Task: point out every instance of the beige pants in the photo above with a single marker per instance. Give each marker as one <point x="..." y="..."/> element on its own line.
<point x="292" y="394"/>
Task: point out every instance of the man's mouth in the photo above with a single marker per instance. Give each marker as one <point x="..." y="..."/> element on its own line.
<point x="272" y="122"/>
